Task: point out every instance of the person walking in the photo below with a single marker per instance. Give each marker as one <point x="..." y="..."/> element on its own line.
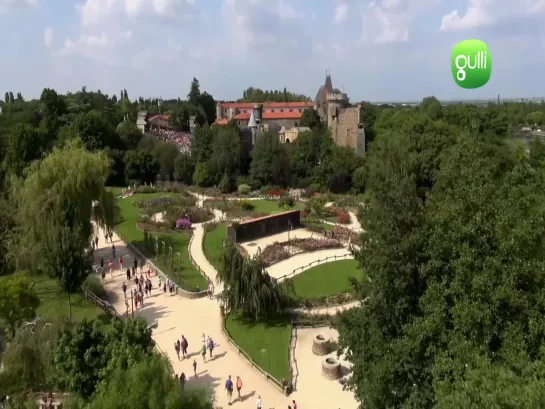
<point x="294" y="404"/>
<point x="210" y="346"/>
<point x="113" y="251"/>
<point x="141" y="265"/>
<point x="102" y="263"/>
<point x="120" y="263"/>
<point x="195" y="367"/>
<point x="258" y="403"/>
<point x="229" y="389"/>
<point x="203" y="352"/>
<point x="111" y="236"/>
<point x="182" y="380"/>
<point x="111" y="267"/>
<point x="96" y="242"/>
<point x="239" y="388"/>
<point x="128" y="273"/>
<point x="124" y="288"/>
<point x="106" y="237"/>
<point x="184" y="345"/>
<point x="177" y="349"/>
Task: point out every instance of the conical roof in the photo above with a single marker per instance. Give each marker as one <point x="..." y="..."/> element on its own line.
<point x="252" y="123"/>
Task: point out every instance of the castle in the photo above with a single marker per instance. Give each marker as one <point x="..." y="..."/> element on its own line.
<point x="343" y="120"/>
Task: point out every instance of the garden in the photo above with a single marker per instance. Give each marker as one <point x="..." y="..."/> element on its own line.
<point x="164" y="239"/>
<point x="277" y="252"/>
<point x="325" y="283"/>
<point x="214" y="236"/>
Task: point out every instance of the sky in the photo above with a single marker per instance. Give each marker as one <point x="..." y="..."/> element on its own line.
<point x="381" y="50"/>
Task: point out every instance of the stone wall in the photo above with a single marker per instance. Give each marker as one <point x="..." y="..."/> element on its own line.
<point x="345" y="129"/>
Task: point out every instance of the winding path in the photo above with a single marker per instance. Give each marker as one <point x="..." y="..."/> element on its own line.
<point x="176" y="316"/>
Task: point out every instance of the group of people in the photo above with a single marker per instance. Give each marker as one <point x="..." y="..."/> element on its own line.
<point x="181" y="139"/>
<point x="168" y="286"/>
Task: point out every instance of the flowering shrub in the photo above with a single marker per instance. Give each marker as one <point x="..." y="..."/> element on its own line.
<point x="311" y="244"/>
<point x="183" y="224"/>
<point x="244" y="189"/>
<point x="343" y="217"/>
<point x="297" y="194"/>
<point x="246" y="205"/>
<point x="275" y="192"/>
<point x="274" y="253"/>
<point x="304" y="213"/>
<point x="346" y="234"/>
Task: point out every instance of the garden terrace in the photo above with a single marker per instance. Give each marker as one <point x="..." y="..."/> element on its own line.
<point x="180" y="269"/>
<point x="252" y="208"/>
<point x="264" y="226"/>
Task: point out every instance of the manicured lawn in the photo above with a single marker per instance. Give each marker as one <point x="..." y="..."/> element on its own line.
<point x="266" y="344"/>
<point x="116" y="190"/>
<point x="271" y="206"/>
<point x="326" y="279"/>
<point x="54" y="302"/>
<point x="213" y="245"/>
<point x="319" y="225"/>
<point x="178" y="241"/>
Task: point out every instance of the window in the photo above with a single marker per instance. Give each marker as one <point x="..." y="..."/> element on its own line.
<point x="281" y="110"/>
<point x="349" y="133"/>
<point x="296" y="124"/>
<point x="291" y="110"/>
<point x="245" y="111"/>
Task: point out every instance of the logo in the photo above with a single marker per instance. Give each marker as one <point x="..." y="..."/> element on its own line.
<point x="471" y="64"/>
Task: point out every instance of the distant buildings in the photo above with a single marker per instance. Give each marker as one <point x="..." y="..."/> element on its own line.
<point x="343" y="120"/>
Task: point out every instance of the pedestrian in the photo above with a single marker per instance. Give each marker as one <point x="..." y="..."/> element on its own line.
<point x="96" y="242"/>
<point x="229" y="389"/>
<point x="195" y="367"/>
<point x="294" y="404"/>
<point x="177" y="348"/>
<point x="121" y="263"/>
<point x="258" y="403"/>
<point x="210" y="346"/>
<point x="101" y="262"/>
<point x="203" y="352"/>
<point x="128" y="275"/>
<point x="182" y="380"/>
<point x="135" y="298"/>
<point x="106" y="237"/>
<point x="184" y="345"/>
<point x="113" y="251"/>
<point x="111" y="267"/>
<point x="124" y="288"/>
<point x="239" y="388"/>
<point x="141" y="295"/>
<point x="135" y="264"/>
<point x="165" y="288"/>
<point x="111" y="235"/>
<point x="136" y="281"/>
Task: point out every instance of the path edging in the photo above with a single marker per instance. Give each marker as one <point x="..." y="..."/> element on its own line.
<point x="277" y="384"/>
<point x="182" y="292"/>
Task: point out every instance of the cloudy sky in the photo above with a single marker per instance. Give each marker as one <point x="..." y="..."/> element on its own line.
<point x="377" y="50"/>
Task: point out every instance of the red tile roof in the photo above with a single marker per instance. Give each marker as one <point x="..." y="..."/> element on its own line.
<point x="250" y="105"/>
<point x="221" y="121"/>
<point x="271" y="115"/>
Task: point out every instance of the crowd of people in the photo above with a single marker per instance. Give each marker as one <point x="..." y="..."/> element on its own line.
<point x="181" y="139"/>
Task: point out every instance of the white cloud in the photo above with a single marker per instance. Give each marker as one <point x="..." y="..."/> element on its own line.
<point x="49" y="37"/>
<point x="482" y="13"/>
<point x="95" y="12"/>
<point x="341" y="12"/>
<point x="390" y="21"/>
<point x="7" y="6"/>
<point x="101" y="47"/>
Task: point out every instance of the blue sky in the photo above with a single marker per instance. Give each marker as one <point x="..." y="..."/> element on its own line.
<point x="377" y="50"/>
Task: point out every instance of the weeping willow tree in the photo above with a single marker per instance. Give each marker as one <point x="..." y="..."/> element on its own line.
<point x="55" y="204"/>
<point x="247" y="287"/>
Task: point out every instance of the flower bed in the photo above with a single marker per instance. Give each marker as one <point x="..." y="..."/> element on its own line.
<point x="311" y="244"/>
<point x="346" y="234"/>
<point x="158" y="227"/>
<point x="343" y="217"/>
<point x="332" y="300"/>
<point x="274" y="253"/>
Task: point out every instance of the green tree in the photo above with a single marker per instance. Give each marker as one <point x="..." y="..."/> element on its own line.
<point x="89" y="353"/>
<point x="201" y="144"/>
<point x="18" y="302"/>
<point x="226" y="156"/>
<point x="6" y="98"/>
<point x="310" y="118"/>
<point x="270" y="163"/>
<point x="24" y="145"/>
<point x="53" y="108"/>
<point x="140" y="166"/>
<point x="194" y="95"/>
<point x="247" y="287"/>
<point x="184" y="167"/>
<point x="92" y="130"/>
<point x="129" y="134"/>
<point x="201" y="176"/>
<point x="535" y="118"/>
<point x="165" y="154"/>
<point x="208" y="104"/>
<point x="358" y="179"/>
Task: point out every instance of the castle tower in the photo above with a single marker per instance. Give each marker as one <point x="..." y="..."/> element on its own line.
<point x="252" y="124"/>
<point x="258" y="113"/>
<point x="219" y="113"/>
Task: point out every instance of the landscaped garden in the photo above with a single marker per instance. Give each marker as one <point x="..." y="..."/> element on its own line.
<point x="325" y="280"/>
<point x="214" y="236"/>
<point x="253" y="208"/>
<point x="266" y="343"/>
<point x="140" y="227"/>
<point x="277" y="252"/>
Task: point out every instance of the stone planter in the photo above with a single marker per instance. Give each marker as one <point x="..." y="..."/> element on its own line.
<point x="320" y="345"/>
<point x="331" y="369"/>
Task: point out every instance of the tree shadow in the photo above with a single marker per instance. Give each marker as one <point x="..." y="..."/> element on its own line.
<point x="204" y="381"/>
<point x="217" y="356"/>
<point x="244" y="397"/>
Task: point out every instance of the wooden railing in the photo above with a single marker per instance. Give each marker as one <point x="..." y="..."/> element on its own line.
<point x="299" y="270"/>
<point x="281" y="385"/>
<point x="104" y="305"/>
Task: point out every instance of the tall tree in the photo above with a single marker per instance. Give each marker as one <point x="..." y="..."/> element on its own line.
<point x="270" y="162"/>
<point x="194" y="94"/>
<point x="141" y="166"/>
<point x="18" y="302"/>
<point x="24" y="145"/>
<point x="201" y="144"/>
<point x="310" y="118"/>
<point x="208" y="104"/>
<point x="6" y="98"/>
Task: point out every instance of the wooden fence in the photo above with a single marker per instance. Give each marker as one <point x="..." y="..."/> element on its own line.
<point x="104" y="305"/>
<point x="299" y="270"/>
<point x="281" y="385"/>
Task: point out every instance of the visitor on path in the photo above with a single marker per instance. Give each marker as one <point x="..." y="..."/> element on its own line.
<point x="182" y="380"/>
<point x="135" y="265"/>
<point x="120" y="263"/>
<point x="210" y="346"/>
<point x="135" y="298"/>
<point x="165" y="288"/>
<point x="141" y="265"/>
<point x="195" y="367"/>
<point x="102" y="273"/>
<point x="229" y="389"/>
<point x="258" y="403"/>
<point x="239" y="388"/>
<point x="124" y="288"/>
<point x="184" y="345"/>
<point x="111" y="236"/>
<point x="101" y="262"/>
<point x="96" y="242"/>
<point x="141" y="295"/>
<point x="111" y="267"/>
<point x="113" y="251"/>
<point x="177" y="348"/>
<point x="106" y="237"/>
<point x="128" y="275"/>
<point x="203" y="352"/>
<point x="294" y="404"/>
<point x="136" y="281"/>
<point x="203" y="338"/>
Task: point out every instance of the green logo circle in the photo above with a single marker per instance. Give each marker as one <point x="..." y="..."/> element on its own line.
<point x="471" y="64"/>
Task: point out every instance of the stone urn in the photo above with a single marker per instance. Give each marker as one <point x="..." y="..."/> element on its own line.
<point x="331" y="369"/>
<point x="320" y="345"/>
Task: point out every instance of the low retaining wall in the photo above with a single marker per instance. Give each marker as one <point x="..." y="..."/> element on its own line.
<point x="181" y="291"/>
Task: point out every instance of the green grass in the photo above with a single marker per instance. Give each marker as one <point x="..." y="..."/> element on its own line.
<point x="54" y="302"/>
<point x="271" y="206"/>
<point x="213" y="245"/>
<point x="178" y="241"/>
<point x="116" y="190"/>
<point x="319" y="225"/>
<point x="266" y="344"/>
<point x="326" y="279"/>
